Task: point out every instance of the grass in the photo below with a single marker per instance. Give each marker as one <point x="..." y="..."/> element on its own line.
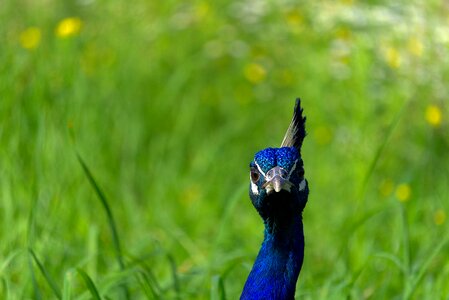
<point x="127" y="131"/>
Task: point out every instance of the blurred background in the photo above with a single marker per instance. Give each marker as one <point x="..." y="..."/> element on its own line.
<point x="166" y="103"/>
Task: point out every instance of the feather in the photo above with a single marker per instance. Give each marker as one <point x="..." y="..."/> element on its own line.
<point x="297" y="130"/>
<point x="278" y="264"/>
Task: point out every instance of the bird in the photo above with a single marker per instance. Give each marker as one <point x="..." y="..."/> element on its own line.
<point x="279" y="192"/>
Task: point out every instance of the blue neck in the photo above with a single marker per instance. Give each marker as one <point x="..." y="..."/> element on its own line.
<point x="278" y="263"/>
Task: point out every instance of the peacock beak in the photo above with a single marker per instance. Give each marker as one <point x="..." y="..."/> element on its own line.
<point x="276" y="180"/>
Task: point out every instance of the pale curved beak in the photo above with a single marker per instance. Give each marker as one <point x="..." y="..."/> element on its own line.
<point x="277" y="180"/>
<point x="278" y="183"/>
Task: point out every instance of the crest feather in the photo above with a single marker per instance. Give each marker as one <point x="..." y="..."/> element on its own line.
<point x="297" y="130"/>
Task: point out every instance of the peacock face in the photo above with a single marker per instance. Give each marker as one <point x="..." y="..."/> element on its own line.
<point x="277" y="180"/>
<point x="278" y="189"/>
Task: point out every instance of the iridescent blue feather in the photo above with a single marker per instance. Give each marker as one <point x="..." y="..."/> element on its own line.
<point x="277" y="266"/>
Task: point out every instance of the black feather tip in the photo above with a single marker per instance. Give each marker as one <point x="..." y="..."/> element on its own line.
<point x="296" y="132"/>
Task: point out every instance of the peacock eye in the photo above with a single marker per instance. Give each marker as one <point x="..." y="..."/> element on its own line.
<point x="301" y="173"/>
<point x="254" y="175"/>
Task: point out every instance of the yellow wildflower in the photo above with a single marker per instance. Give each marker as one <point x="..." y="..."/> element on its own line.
<point x="343" y="33"/>
<point x="255" y="73"/>
<point x="433" y="115"/>
<point x="403" y="192"/>
<point x="439" y="217"/>
<point x="202" y="10"/>
<point x="386" y="187"/>
<point x="295" y="21"/>
<point x="191" y="194"/>
<point x="294" y="18"/>
<point x="393" y="57"/>
<point x="68" y="27"/>
<point x="348" y="2"/>
<point x="415" y="46"/>
<point x="30" y="38"/>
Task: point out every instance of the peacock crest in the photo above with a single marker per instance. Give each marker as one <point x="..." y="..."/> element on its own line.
<point x="296" y="132"/>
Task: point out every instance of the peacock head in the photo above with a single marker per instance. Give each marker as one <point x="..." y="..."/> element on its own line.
<point x="278" y="189"/>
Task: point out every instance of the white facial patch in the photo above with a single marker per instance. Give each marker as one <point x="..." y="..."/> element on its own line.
<point x="254" y="187"/>
<point x="292" y="170"/>
<point x="302" y="185"/>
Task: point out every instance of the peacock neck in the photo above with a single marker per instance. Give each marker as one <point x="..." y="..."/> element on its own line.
<point x="279" y="261"/>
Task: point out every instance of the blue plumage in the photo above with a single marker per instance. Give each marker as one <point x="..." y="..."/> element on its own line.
<point x="270" y="157"/>
<point x="279" y="191"/>
<point x="277" y="265"/>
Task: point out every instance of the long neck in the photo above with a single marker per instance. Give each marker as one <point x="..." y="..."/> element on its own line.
<point x="278" y="263"/>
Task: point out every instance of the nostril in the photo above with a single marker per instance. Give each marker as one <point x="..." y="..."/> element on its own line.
<point x="284" y="174"/>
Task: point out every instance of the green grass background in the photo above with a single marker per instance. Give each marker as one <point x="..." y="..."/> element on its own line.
<point x="167" y="101"/>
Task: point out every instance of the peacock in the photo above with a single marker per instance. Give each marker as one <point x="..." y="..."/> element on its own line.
<point x="279" y="192"/>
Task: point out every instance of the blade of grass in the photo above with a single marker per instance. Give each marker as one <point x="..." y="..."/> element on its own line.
<point x="146" y="284"/>
<point x="230" y="207"/>
<point x="148" y="278"/>
<point x="218" y="289"/>
<point x="392" y="258"/>
<point x="30" y="235"/>
<point x="382" y="146"/>
<point x="183" y="239"/>
<point x="36" y="289"/>
<point x="54" y="287"/>
<point x="114" y="279"/>
<point x="90" y="284"/>
<point x="142" y="266"/>
<point x="67" y="287"/>
<point x="420" y="274"/>
<point x="146" y="272"/>
<point x="5" y="289"/>
<point x="110" y="217"/>
<point x="174" y="275"/>
<point x="405" y="247"/>
<point x="92" y="251"/>
<point x="8" y="260"/>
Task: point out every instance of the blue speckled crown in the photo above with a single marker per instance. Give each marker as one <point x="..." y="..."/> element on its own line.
<point x="284" y="157"/>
